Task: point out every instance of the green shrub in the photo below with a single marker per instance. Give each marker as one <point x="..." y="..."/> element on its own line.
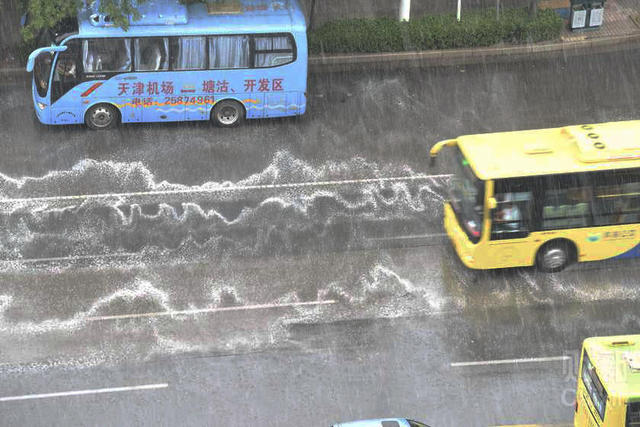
<point x="477" y="28"/>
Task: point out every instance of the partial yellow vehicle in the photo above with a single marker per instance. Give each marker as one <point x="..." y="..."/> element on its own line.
<point x="545" y="197"/>
<point x="608" y="392"/>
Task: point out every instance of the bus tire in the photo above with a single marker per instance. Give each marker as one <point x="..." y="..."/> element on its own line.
<point x="555" y="256"/>
<point x="102" y="116"/>
<point x="228" y="113"/>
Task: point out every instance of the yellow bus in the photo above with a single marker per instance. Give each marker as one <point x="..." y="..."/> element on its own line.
<point x="608" y="392"/>
<point x="545" y="197"/>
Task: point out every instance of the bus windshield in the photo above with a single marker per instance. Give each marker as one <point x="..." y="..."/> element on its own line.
<point x="594" y="386"/>
<point x="41" y="72"/>
<point x="467" y="197"/>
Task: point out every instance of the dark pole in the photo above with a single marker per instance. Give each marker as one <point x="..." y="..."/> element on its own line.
<point x="313" y="7"/>
<point x="533" y="8"/>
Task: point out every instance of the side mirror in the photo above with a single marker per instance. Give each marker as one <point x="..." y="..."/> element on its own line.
<point x="492" y="203"/>
<point x="433" y="152"/>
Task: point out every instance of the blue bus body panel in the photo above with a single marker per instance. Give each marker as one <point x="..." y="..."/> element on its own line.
<point x="631" y="253"/>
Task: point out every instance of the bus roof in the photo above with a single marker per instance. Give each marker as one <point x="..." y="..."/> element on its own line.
<point x="617" y="363"/>
<point x="614" y="145"/>
<point x="249" y="17"/>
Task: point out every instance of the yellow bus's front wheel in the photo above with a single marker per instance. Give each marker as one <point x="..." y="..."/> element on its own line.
<point x="555" y="255"/>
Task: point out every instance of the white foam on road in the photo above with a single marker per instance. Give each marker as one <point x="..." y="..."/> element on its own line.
<point x="220" y="189"/>
<point x="84" y="392"/>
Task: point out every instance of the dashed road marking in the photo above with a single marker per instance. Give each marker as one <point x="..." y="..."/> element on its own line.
<point x="211" y="310"/>
<point x="511" y="361"/>
<point x="67" y="259"/>
<point x="84" y="392"/>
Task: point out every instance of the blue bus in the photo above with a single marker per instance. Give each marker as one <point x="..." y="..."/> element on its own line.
<point x="223" y="62"/>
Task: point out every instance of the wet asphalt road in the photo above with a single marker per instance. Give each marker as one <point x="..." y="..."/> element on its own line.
<point x="209" y="298"/>
<point x="387" y="118"/>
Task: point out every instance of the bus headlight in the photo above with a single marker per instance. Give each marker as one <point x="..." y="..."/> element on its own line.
<point x="41" y="106"/>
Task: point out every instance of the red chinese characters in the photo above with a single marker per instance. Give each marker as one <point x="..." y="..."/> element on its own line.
<point x="264" y="85"/>
<point x="213" y="86"/>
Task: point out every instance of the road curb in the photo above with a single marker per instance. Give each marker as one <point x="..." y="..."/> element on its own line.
<point x="434" y="58"/>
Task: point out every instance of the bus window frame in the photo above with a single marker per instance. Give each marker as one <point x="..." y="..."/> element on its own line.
<point x="627" y="406"/>
<point x="106" y="75"/>
<point x="134" y="51"/>
<point x="586" y="358"/>
<point x="206" y="54"/>
<point x="510" y="185"/>
<point x="254" y="51"/>
<point x="248" y="35"/>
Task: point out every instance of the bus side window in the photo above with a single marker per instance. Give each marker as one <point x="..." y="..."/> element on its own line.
<point x="566" y="203"/>
<point x="227" y="52"/>
<point x="106" y="55"/>
<point x="152" y="53"/>
<point x="272" y="51"/>
<point x="188" y="53"/>
<point x="617" y="198"/>
<point x="511" y="219"/>
<point x="633" y="414"/>
<point x="594" y="386"/>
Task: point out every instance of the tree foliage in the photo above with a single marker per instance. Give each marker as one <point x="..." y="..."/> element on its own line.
<point x="50" y="14"/>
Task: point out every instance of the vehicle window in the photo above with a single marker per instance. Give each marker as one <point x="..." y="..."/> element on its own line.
<point x="229" y="52"/>
<point x="66" y="71"/>
<point x="152" y="54"/>
<point x="594" y="387"/>
<point x="106" y="55"/>
<point x="617" y="198"/>
<point x="42" y="72"/>
<point x="188" y="53"/>
<point x="633" y="414"/>
<point x="512" y="216"/>
<point x="566" y="203"/>
<point x="467" y="196"/>
<point x="272" y="51"/>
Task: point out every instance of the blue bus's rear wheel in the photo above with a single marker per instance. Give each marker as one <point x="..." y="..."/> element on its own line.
<point x="228" y="113"/>
<point x="101" y="116"/>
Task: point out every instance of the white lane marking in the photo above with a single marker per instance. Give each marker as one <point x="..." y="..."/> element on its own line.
<point x="212" y="310"/>
<point x="413" y="236"/>
<point x="224" y="189"/>
<point x="511" y="361"/>
<point x="70" y="258"/>
<point x="84" y="392"/>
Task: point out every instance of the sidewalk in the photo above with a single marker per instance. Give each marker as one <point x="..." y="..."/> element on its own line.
<point x="620" y="29"/>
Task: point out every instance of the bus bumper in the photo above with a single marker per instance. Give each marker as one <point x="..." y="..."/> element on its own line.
<point x="461" y="243"/>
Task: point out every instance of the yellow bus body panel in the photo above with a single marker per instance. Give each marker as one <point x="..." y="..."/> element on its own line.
<point x="621" y="382"/>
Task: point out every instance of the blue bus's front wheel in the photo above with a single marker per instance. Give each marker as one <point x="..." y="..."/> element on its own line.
<point x="101" y="116"/>
<point x="228" y="113"/>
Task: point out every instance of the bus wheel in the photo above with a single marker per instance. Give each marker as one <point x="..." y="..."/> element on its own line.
<point x="228" y="113"/>
<point x="554" y="256"/>
<point x="101" y="116"/>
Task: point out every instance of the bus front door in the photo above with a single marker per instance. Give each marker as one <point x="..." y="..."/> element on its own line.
<point x="65" y="89"/>
<point x="510" y="229"/>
